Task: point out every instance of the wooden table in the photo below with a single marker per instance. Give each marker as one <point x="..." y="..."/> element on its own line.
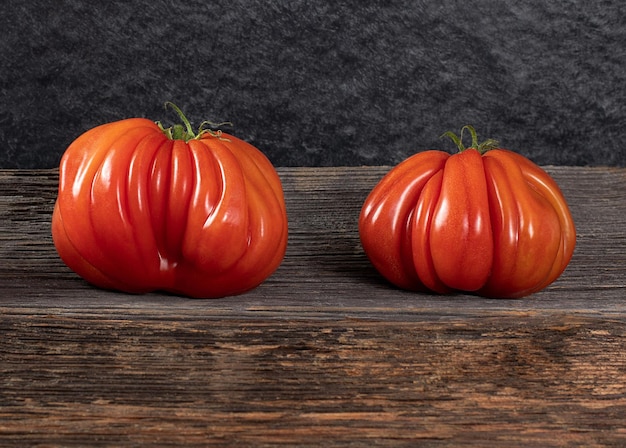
<point x="324" y="353"/>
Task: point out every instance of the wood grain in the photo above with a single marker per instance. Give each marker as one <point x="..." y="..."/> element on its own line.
<point x="324" y="353"/>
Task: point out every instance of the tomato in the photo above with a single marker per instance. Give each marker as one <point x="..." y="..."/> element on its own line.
<point x="485" y="221"/>
<point x="142" y="208"/>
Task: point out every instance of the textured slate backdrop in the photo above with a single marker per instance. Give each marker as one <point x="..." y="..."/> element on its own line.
<point x="321" y="82"/>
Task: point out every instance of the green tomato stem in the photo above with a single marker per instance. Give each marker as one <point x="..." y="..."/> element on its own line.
<point x="480" y="147"/>
<point x="185" y="131"/>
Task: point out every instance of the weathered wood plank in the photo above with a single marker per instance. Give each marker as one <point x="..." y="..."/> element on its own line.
<point x="495" y="382"/>
<point x="324" y="353"/>
<point x="324" y="258"/>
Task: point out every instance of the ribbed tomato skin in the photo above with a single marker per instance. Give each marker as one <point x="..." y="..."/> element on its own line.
<point x="137" y="212"/>
<point x="492" y="224"/>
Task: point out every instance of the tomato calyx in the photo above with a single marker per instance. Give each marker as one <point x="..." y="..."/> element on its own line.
<point x="185" y="131"/>
<point x="482" y="148"/>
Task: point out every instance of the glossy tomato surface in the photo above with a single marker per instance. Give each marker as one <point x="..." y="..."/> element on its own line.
<point x="140" y="211"/>
<point x="492" y="224"/>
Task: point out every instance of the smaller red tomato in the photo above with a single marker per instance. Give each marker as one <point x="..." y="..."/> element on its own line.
<point x="485" y="220"/>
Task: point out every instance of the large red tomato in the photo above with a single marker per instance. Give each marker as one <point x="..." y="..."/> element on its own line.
<point x="141" y="208"/>
<point x="485" y="220"/>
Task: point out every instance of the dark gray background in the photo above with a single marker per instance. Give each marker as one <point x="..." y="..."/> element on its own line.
<point x="318" y="83"/>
